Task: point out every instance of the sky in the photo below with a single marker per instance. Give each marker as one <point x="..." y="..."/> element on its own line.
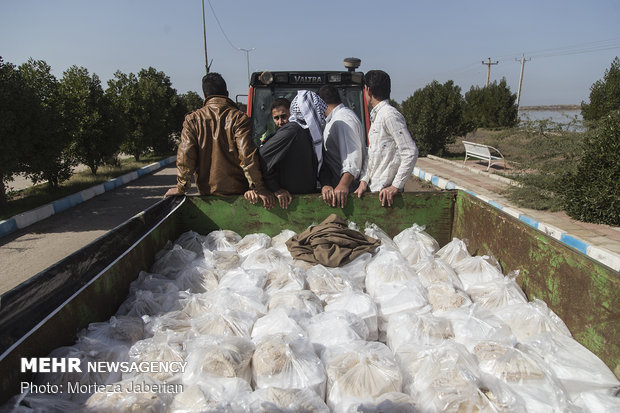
<point x="567" y="44"/>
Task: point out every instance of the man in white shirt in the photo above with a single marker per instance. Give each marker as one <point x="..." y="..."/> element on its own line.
<point x="344" y="149"/>
<point x="392" y="153"/>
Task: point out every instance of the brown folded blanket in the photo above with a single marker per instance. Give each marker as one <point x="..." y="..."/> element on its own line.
<point x="330" y="243"/>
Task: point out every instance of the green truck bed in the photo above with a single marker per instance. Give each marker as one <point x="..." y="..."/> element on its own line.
<point x="48" y="310"/>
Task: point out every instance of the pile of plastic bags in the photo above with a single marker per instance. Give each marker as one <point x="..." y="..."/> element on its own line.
<point x="411" y="328"/>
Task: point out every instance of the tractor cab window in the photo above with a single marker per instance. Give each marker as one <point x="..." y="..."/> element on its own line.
<point x="352" y="96"/>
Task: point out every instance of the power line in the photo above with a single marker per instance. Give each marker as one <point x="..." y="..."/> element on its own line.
<point x="247" y="51"/>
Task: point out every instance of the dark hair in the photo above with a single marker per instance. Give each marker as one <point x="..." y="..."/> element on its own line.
<point x="281" y="102"/>
<point x="214" y="84"/>
<point x="379" y="84"/>
<point x="330" y="95"/>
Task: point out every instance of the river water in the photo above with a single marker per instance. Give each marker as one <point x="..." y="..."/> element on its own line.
<point x="568" y="119"/>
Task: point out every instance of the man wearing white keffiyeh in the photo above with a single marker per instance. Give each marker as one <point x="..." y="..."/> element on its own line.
<point x="292" y="157"/>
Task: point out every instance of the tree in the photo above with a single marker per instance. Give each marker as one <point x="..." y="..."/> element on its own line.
<point x="148" y="104"/>
<point x="492" y="106"/>
<point x="48" y="155"/>
<point x="159" y="101"/>
<point x="89" y="118"/>
<point x="191" y="101"/>
<point x="434" y="116"/>
<point x="604" y="94"/>
<point x="17" y="115"/>
<point x="591" y="192"/>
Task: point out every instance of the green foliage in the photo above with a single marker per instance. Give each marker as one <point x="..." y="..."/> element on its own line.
<point x="16" y="118"/>
<point x="190" y="101"/>
<point x="89" y="118"/>
<point x="492" y="106"/>
<point x="604" y="94"/>
<point x="434" y="116"/>
<point x="591" y="192"/>
<point x="149" y="108"/>
<point x="48" y="155"/>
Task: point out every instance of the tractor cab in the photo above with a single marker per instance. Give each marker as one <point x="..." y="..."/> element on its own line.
<point x="267" y="86"/>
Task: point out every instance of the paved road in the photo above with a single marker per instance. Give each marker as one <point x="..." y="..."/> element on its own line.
<point x="28" y="251"/>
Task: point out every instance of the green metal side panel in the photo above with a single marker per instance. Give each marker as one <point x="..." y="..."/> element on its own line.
<point x="432" y="209"/>
<point x="583" y="292"/>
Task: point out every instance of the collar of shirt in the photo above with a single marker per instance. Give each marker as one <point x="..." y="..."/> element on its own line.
<point x="376" y="109"/>
<point x="331" y="114"/>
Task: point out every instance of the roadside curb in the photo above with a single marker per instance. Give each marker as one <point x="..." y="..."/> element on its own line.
<point x="476" y="171"/>
<point x="25" y="219"/>
<point x="599" y="254"/>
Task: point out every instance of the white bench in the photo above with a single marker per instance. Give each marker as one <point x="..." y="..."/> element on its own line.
<point x="480" y="151"/>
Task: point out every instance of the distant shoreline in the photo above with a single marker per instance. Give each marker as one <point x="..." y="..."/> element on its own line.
<point x="551" y="107"/>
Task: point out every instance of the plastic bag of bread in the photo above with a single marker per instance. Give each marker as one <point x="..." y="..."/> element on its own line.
<point x="155" y="283"/>
<point x="141" y="393"/>
<point x="325" y="283"/>
<point x="265" y="259"/>
<point x="287" y="362"/>
<point x="415" y="244"/>
<point x="117" y="330"/>
<point x="40" y="403"/>
<point x="437" y="271"/>
<point x="331" y="328"/>
<point x="358" y="372"/>
<point x="421" y="328"/>
<point x="526" y="375"/>
<point x="145" y="302"/>
<point x="83" y="377"/>
<point x="216" y="395"/>
<point x="222" y="240"/>
<point x="251" y="243"/>
<point x="472" y="325"/>
<point x="192" y="241"/>
<point x="251" y="301"/>
<point x="169" y="262"/>
<point x="373" y="230"/>
<point x="393" y="402"/>
<point x="396" y="298"/>
<point x="497" y="293"/>
<point x="224" y="322"/>
<point x="277" y="321"/>
<point x="357" y="303"/>
<point x="530" y="319"/>
<point x="477" y="270"/>
<point x="354" y="271"/>
<point x="444" y="297"/>
<point x="197" y="277"/>
<point x="279" y="242"/>
<point x="301" y="301"/>
<point x="241" y="280"/>
<point x="453" y="252"/>
<point x="574" y="365"/>
<point x="218" y="356"/>
<point x="277" y="400"/>
<point x="285" y="278"/>
<point x="386" y="267"/>
<point x="166" y="348"/>
<point x="173" y="321"/>
<point x="446" y="378"/>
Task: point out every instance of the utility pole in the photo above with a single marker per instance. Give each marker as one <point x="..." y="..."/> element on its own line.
<point x="489" y="63"/>
<point x="523" y="60"/>
<point x="247" y="58"/>
<point x="204" y="33"/>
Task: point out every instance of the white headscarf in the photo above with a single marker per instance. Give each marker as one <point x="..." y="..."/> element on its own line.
<point x="308" y="110"/>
